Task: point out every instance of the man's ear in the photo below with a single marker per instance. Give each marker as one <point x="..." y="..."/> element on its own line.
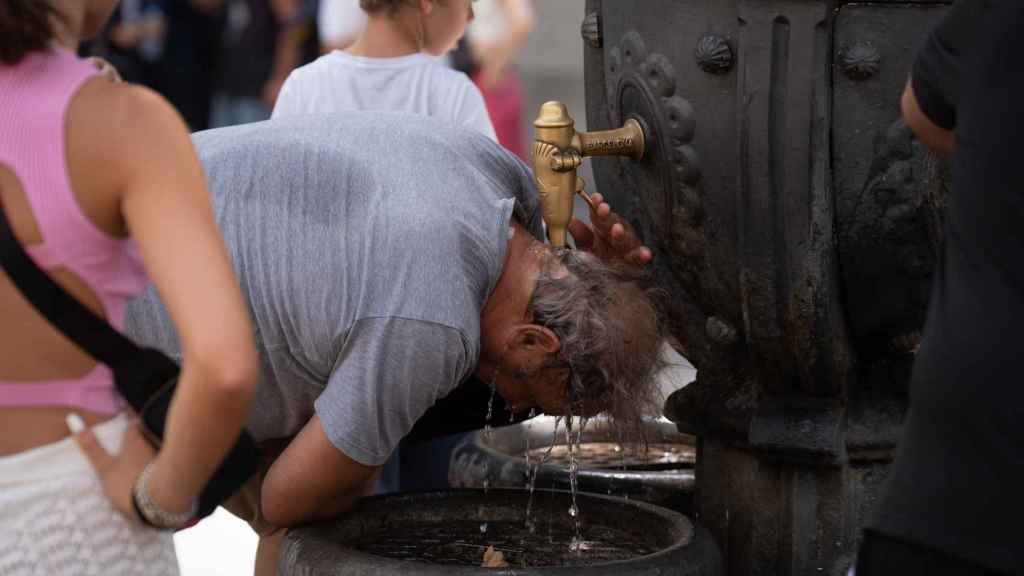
<point x="536" y="338"/>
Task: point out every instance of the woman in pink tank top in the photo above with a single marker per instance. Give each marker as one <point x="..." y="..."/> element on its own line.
<point x="101" y="185"/>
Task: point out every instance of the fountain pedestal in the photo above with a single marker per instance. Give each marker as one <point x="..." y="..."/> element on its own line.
<point x="796" y="223"/>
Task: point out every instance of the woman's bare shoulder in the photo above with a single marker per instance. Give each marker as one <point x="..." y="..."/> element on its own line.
<point x="118" y="128"/>
<point x="125" y="119"/>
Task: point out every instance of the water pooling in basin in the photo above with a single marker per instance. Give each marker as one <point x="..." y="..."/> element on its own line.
<point x="461" y="543"/>
<point x="612" y="455"/>
<point x="431" y="533"/>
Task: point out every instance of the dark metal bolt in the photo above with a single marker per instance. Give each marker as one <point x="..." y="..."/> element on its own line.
<point x="720" y="331"/>
<point x="714" y="55"/>
<point x="860" y="61"/>
<point x="591" y="30"/>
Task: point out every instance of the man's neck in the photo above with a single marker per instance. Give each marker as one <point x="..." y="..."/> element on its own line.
<point x="388" y="37"/>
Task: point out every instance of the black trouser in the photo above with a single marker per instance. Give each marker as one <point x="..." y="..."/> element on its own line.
<point x="881" y="555"/>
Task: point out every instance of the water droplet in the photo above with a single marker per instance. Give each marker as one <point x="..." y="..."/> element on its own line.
<point x="618" y="448"/>
<point x="483" y="527"/>
<point x="572" y="511"/>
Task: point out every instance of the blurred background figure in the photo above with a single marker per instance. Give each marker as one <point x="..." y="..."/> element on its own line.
<point x="339" y="22"/>
<point x="133" y="41"/>
<point x="487" y="54"/>
<point x="186" y="69"/>
<point x="394" y="65"/>
<point x="261" y="43"/>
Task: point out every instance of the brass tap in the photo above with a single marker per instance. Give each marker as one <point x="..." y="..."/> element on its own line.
<point x="558" y="151"/>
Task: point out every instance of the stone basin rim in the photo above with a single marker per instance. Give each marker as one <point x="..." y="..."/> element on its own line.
<point x="357" y="562"/>
<point x="508" y="442"/>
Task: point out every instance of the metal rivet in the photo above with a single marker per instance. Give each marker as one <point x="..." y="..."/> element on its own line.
<point x="591" y="30"/>
<point x="720" y="331"/>
<point x="714" y="55"/>
<point x="860" y="61"/>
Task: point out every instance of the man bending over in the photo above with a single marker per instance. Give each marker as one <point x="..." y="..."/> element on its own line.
<point x="391" y="265"/>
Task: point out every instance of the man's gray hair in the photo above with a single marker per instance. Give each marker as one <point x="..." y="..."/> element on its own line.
<point x="608" y="320"/>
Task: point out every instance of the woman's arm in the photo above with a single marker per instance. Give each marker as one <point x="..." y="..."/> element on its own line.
<point x="166" y="208"/>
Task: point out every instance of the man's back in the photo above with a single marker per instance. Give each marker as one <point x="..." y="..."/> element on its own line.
<point x="360" y="241"/>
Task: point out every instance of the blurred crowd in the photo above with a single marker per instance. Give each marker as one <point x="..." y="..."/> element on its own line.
<point x="219" y="62"/>
<point x="223" y="62"/>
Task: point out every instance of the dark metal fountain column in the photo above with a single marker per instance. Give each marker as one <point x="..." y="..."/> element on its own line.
<point x="796" y="223"/>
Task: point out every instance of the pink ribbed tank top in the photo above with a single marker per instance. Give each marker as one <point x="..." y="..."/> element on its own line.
<point x="34" y="98"/>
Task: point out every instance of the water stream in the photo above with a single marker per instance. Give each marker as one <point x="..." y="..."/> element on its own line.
<point x="531" y="483"/>
<point x="573" y="437"/>
<point x="487" y="438"/>
<point x="572" y="441"/>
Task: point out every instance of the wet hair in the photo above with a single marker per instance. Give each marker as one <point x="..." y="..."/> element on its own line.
<point x="609" y="323"/>
<point x="25" y="26"/>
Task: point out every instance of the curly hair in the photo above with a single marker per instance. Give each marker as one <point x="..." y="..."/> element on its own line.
<point x="607" y="318"/>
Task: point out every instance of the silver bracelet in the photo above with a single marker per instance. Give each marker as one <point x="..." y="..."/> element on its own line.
<point x="151" y="513"/>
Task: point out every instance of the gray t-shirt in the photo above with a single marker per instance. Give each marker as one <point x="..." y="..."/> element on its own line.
<point x="366" y="245"/>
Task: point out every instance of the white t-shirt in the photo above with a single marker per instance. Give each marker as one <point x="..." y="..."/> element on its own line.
<point x="417" y="84"/>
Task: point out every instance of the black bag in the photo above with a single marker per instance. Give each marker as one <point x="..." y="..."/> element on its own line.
<point x="145" y="377"/>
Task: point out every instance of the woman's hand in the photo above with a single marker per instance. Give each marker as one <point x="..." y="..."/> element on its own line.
<point x="608" y="236"/>
<point x="118" y="472"/>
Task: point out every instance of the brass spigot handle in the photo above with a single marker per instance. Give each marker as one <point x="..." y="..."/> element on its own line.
<point x="625" y="141"/>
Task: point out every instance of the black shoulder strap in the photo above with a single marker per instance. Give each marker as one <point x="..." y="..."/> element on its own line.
<point x="89" y="331"/>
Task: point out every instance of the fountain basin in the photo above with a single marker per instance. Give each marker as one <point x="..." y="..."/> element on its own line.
<point x="664" y="475"/>
<point x="439" y="533"/>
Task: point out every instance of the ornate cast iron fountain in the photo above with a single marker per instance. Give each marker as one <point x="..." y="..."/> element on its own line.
<point x="796" y="222"/>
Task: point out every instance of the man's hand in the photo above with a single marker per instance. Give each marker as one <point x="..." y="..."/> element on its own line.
<point x="608" y="236"/>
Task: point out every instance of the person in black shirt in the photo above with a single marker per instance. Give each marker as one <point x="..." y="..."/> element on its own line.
<point x="259" y="48"/>
<point x="186" y="70"/>
<point x="954" y="503"/>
